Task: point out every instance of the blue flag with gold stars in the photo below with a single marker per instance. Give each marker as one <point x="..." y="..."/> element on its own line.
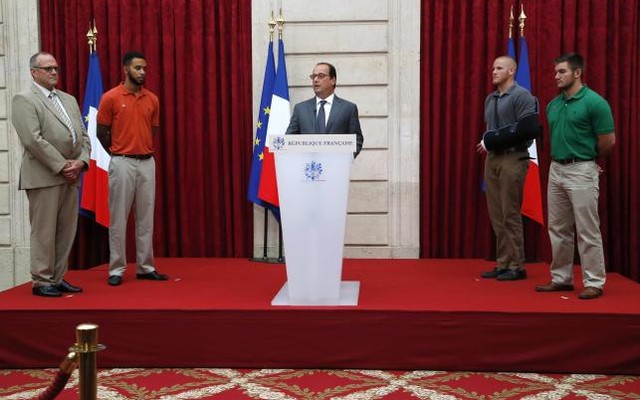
<point x="261" y="133"/>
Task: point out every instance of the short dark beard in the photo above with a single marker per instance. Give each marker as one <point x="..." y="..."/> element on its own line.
<point x="566" y="87"/>
<point x="133" y="80"/>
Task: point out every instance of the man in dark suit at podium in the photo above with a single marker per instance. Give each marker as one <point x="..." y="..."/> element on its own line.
<point x="326" y="112"/>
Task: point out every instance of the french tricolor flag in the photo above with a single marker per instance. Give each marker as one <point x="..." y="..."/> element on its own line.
<point x="278" y="122"/>
<point x="532" y="194"/>
<point x="95" y="186"/>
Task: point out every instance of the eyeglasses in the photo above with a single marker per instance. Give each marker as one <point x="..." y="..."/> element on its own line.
<point x="319" y="76"/>
<point x="49" y="69"/>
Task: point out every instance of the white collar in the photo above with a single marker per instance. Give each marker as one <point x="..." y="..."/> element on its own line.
<point x="44" y="90"/>
<point x="329" y="99"/>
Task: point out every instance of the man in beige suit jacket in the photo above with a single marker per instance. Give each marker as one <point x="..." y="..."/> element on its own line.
<point x="56" y="151"/>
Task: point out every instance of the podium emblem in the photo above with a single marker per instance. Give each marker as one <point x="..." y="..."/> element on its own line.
<point x="278" y="143"/>
<point x="313" y="171"/>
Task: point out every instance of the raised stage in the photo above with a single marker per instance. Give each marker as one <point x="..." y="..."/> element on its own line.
<point x="412" y="314"/>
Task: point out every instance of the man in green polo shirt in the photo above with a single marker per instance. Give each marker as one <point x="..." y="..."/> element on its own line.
<point x="581" y="126"/>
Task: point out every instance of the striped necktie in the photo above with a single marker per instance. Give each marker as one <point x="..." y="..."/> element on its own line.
<point x="57" y="104"/>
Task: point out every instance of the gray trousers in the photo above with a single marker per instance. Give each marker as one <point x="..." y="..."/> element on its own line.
<point x="131" y="180"/>
<point x="53" y="214"/>
<point x="572" y="198"/>
<point x="504" y="176"/>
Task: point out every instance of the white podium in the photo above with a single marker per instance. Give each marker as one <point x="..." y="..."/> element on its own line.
<point x="313" y="186"/>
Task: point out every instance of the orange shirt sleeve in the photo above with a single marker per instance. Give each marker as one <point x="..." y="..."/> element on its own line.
<point x="155" y="118"/>
<point x="105" y="110"/>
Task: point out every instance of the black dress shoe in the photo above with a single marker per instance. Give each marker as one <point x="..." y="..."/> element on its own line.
<point x="115" y="280"/>
<point x="66" y="287"/>
<point x="513" y="275"/>
<point x="493" y="273"/>
<point x="153" y="276"/>
<point x="46" y="291"/>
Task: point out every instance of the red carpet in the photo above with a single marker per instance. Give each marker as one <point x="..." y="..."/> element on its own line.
<point x="152" y="384"/>
<point x="413" y="314"/>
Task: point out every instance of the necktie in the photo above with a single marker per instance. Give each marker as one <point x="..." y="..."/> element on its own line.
<point x="320" y="119"/>
<point x="58" y="106"/>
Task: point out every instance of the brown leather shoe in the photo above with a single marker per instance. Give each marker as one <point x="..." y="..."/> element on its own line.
<point x="554" y="287"/>
<point x="590" y="292"/>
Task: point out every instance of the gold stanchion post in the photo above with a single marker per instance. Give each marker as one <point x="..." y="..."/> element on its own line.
<point x="86" y="347"/>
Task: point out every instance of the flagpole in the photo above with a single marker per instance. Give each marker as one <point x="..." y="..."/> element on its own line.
<point x="522" y="19"/>
<point x="280" y="255"/>
<point x="511" y="47"/>
<point x="92" y="37"/>
<point x="511" y="19"/>
<point x="280" y="25"/>
<point x="265" y="236"/>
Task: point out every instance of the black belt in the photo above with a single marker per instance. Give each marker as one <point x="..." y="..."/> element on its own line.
<point x="573" y="160"/>
<point x="510" y="150"/>
<point x="136" y="156"/>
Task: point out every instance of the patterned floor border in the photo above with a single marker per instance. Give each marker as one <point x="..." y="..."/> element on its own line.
<point x="286" y="384"/>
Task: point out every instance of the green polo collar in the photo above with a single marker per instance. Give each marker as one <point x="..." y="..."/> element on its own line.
<point x="580" y="94"/>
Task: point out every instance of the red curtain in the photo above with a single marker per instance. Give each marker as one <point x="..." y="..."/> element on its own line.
<point x="460" y="40"/>
<point x="199" y="57"/>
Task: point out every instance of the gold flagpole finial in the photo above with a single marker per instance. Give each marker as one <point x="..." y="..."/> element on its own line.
<point x="90" y="39"/>
<point x="522" y="18"/>
<point x="280" y="24"/>
<point x="95" y="36"/>
<point x="511" y="23"/>
<point x="272" y="27"/>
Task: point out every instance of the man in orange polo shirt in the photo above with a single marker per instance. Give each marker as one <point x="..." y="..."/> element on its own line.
<point x="128" y="116"/>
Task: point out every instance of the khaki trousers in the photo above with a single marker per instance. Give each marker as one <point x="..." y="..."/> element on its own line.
<point x="131" y="180"/>
<point x="53" y="214"/>
<point x="504" y="176"/>
<point x="572" y="198"/>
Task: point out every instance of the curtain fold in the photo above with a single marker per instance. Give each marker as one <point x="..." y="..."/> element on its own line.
<point x="460" y="40"/>
<point x="199" y="57"/>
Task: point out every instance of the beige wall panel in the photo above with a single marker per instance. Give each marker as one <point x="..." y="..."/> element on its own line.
<point x="367" y="229"/>
<point x="375" y="48"/>
<point x="4" y="132"/>
<point x="6" y="268"/>
<point x="372" y="101"/>
<point x="4" y="167"/>
<point x="3" y="72"/>
<point x="360" y="69"/>
<point x="367" y="252"/>
<point x="368" y="197"/>
<point x="381" y="252"/>
<point x="331" y="37"/>
<point x="336" y="10"/>
<point x="5" y="205"/>
<point x="375" y="131"/>
<point x="3" y="104"/>
<point x="22" y="258"/>
<point x="5" y="231"/>
<point x="371" y="165"/>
